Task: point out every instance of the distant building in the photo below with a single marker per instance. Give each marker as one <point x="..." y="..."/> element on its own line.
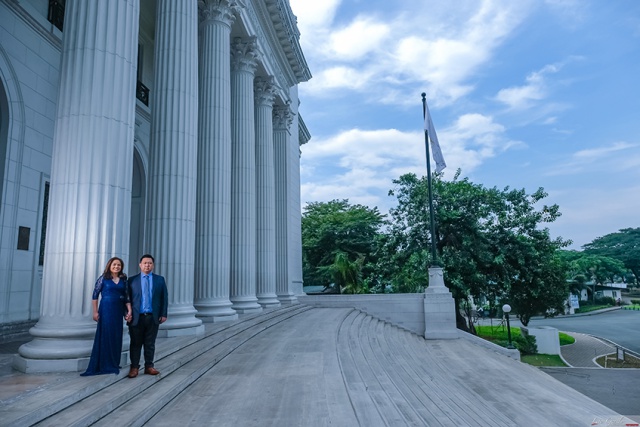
<point x="611" y="290"/>
<point x="142" y="126"/>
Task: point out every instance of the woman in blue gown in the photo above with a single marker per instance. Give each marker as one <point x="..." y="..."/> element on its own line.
<point x="107" y="344"/>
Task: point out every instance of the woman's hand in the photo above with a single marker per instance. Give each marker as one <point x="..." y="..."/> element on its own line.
<point x="96" y="316"/>
<point x="128" y="317"/>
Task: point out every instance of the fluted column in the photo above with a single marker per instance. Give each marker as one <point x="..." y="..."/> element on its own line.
<point x="90" y="208"/>
<point x="172" y="201"/>
<point x="213" y="235"/>
<point x="282" y="118"/>
<point x="265" y="186"/>
<point x="295" y="213"/>
<point x="243" y="176"/>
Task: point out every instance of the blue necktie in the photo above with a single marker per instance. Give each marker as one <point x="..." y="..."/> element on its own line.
<point x="146" y="294"/>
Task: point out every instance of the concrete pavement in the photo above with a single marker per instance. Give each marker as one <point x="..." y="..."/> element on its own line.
<point x="302" y="366"/>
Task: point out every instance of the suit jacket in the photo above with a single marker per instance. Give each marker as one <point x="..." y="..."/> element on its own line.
<point x="159" y="297"/>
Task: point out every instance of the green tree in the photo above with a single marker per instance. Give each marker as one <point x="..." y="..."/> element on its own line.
<point x="583" y="267"/>
<point x="491" y="243"/>
<point x="337" y="234"/>
<point x="623" y="245"/>
<point x="347" y="274"/>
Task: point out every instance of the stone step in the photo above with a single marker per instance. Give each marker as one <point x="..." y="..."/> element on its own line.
<point x="137" y="412"/>
<point x="431" y="377"/>
<point x="380" y="362"/>
<point x="101" y="394"/>
<point x="361" y="400"/>
<point x="405" y="378"/>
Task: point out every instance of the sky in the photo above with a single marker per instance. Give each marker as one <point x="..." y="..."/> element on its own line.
<point x="524" y="94"/>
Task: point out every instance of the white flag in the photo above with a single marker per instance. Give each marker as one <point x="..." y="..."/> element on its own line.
<point x="433" y="139"/>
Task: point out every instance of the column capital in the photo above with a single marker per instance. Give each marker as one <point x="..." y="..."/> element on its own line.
<point x="223" y="11"/>
<point x="265" y="90"/>
<point x="244" y="54"/>
<point x="282" y="118"/>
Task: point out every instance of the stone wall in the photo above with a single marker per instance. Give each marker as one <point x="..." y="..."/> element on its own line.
<point x="402" y="310"/>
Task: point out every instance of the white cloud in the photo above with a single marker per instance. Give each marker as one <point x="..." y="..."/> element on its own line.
<point x="610" y="158"/>
<point x="361" y="37"/>
<point x="538" y="86"/>
<point x="313" y="15"/>
<point x="535" y="89"/>
<point x="424" y="44"/>
<point x="361" y="164"/>
<point x="598" y="153"/>
<point x="340" y="77"/>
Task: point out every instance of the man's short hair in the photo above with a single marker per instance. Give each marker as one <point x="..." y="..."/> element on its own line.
<point x="147" y="256"/>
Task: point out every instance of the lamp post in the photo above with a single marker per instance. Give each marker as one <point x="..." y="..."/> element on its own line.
<point x="506" y="309"/>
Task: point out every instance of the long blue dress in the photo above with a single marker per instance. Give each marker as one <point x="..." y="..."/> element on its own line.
<point x="107" y="344"/>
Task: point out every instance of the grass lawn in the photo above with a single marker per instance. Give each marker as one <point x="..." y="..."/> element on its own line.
<point x="498" y="335"/>
<point x="566" y="339"/>
<point x="588" y="308"/>
<point x="542" y="360"/>
<point x="612" y="362"/>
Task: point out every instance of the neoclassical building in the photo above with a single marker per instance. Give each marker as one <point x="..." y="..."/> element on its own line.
<point x="168" y="127"/>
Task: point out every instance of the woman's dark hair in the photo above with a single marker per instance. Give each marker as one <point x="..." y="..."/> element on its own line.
<point x="107" y="271"/>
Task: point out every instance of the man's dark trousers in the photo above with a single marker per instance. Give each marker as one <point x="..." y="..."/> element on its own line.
<point x="144" y="333"/>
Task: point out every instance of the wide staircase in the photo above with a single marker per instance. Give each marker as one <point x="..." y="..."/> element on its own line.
<point x="304" y="366"/>
<point x="112" y="399"/>
<point x="406" y="381"/>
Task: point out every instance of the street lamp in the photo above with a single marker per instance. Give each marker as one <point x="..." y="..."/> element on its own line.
<point x="506" y="309"/>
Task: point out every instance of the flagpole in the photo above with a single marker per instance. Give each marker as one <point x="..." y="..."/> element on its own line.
<point x="432" y="221"/>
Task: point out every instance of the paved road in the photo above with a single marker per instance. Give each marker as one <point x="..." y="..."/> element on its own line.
<point x="616" y="388"/>
<point x="619" y="326"/>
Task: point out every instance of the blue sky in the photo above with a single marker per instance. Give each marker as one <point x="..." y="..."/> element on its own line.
<point x="525" y="94"/>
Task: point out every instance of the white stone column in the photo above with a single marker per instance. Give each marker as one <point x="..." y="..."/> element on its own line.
<point x="295" y="207"/>
<point x="172" y="201"/>
<point x="213" y="225"/>
<point x="89" y="212"/>
<point x="244" y="62"/>
<point x="282" y="119"/>
<point x="265" y="92"/>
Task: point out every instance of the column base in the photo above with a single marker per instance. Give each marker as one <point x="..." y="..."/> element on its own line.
<point x="297" y="287"/>
<point x="39" y="366"/>
<point x="247" y="304"/>
<point x="180" y="332"/>
<point x="213" y="311"/>
<point x="217" y="318"/>
<point x="268" y="301"/>
<point x="288" y="299"/>
<point x="181" y="321"/>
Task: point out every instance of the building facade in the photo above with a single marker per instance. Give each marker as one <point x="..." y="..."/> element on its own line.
<point x="146" y="126"/>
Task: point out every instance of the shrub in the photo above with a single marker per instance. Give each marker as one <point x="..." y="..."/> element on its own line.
<point x="606" y="301"/>
<point x="635" y="301"/>
<point x="526" y="344"/>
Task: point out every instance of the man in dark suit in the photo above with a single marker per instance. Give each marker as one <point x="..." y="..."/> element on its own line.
<point x="149" y="302"/>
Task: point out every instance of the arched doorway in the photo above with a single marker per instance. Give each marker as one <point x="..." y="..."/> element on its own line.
<point x="136" y="236"/>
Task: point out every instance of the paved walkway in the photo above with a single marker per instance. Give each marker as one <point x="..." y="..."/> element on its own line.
<point x="303" y="366"/>
<point x="584" y="352"/>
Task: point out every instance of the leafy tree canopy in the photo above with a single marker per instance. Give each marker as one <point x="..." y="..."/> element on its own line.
<point x="340" y="235"/>
<point x="623" y="245"/>
<point x="492" y="242"/>
<point x="582" y="266"/>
